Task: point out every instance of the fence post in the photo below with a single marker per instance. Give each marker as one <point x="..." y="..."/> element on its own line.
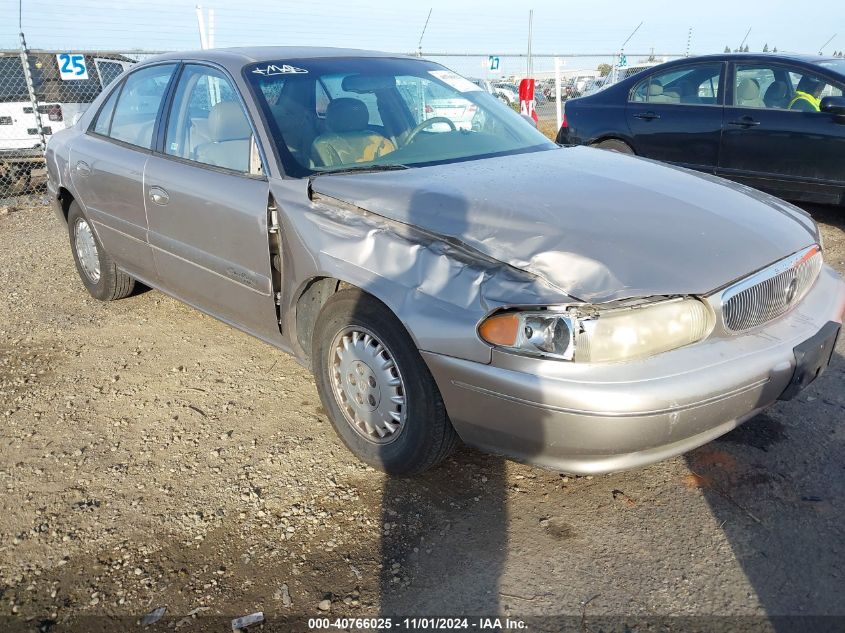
<point x="33" y="98"/>
<point x="558" y="93"/>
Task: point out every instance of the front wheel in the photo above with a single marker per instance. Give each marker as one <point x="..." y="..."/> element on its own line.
<point x="379" y="395"/>
<point x="100" y="275"/>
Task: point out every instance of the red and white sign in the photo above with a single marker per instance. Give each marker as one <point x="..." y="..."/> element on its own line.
<point x="526" y="98"/>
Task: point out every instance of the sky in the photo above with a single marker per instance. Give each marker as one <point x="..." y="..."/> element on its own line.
<point x="469" y="26"/>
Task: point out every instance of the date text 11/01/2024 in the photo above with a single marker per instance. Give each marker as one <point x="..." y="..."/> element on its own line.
<point x="416" y="624"/>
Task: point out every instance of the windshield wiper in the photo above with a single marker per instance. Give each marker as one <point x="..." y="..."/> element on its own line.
<point x="361" y="169"/>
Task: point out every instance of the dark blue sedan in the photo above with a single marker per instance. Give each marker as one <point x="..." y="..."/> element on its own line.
<point x="775" y="122"/>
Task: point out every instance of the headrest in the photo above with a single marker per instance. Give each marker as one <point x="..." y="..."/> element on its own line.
<point x="289" y="114"/>
<point x="776" y="91"/>
<point x="347" y="115"/>
<point x="809" y="84"/>
<point x="227" y="122"/>
<point x="748" y="89"/>
<point x="655" y="88"/>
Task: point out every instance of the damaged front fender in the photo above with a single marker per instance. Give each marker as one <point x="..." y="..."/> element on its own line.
<point x="438" y="287"/>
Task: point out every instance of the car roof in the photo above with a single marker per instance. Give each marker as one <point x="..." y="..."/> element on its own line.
<point x="724" y="57"/>
<point x="236" y="58"/>
<point x="800" y="57"/>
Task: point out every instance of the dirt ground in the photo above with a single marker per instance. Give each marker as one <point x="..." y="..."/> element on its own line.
<point x="151" y="456"/>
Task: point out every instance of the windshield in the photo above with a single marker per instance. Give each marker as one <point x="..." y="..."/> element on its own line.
<point x="837" y="65"/>
<point x="335" y="114"/>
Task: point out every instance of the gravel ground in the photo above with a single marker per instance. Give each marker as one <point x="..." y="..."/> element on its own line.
<point x="151" y="456"/>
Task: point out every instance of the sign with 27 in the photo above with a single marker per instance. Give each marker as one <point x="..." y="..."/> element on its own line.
<point x="72" y="66"/>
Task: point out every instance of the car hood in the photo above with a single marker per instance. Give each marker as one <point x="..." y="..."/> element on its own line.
<point x="598" y="225"/>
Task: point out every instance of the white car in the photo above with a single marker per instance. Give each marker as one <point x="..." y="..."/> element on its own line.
<point x="60" y="103"/>
<point x="436" y="102"/>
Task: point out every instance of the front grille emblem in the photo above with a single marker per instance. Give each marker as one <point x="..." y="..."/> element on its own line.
<point x="771" y="292"/>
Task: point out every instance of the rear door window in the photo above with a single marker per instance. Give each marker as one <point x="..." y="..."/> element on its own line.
<point x="697" y="84"/>
<point x="137" y="106"/>
<point x="102" y="124"/>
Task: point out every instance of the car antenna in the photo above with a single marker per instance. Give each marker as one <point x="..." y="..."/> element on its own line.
<point x="422" y="35"/>
<point x="741" y="44"/>
<point x="822" y="47"/>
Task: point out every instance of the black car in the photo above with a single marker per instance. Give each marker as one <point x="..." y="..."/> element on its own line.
<point x="775" y="122"/>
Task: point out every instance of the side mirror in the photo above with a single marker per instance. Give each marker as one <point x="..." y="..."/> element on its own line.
<point x="834" y="106"/>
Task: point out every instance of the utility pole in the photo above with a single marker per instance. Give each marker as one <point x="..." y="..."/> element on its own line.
<point x="211" y="28"/>
<point x="425" y="26"/>
<point x="689" y="42"/>
<point x="201" y="26"/>
<point x="633" y="33"/>
<point x="530" y="69"/>
<point x="747" y="33"/>
<point x="615" y="75"/>
<point x="822" y="47"/>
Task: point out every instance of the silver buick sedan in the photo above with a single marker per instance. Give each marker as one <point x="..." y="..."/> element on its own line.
<point x="445" y="272"/>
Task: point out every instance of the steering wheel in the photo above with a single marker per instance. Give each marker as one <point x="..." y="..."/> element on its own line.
<point x="419" y="127"/>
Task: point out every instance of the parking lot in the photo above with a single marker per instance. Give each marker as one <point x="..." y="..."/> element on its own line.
<point x="154" y="457"/>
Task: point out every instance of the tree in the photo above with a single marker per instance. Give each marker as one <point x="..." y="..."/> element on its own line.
<point x="775" y="49"/>
<point x="727" y="49"/>
<point x="604" y="69"/>
<point x="765" y="48"/>
<point x="746" y="49"/>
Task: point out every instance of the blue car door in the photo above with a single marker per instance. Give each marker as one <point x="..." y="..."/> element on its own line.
<point x="770" y="144"/>
<point x="675" y="115"/>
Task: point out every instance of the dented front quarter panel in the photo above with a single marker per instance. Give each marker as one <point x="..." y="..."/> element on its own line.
<point x="598" y="225"/>
<point x="437" y="287"/>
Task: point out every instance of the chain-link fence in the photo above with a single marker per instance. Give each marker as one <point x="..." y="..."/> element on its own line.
<point x="42" y="92"/>
<point x="576" y="75"/>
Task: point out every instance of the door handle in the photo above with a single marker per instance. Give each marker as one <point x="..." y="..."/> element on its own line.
<point x="159" y="196"/>
<point x="82" y="168"/>
<point x="648" y="116"/>
<point x="745" y="121"/>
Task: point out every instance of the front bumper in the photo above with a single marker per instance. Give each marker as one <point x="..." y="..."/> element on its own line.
<point x="585" y="419"/>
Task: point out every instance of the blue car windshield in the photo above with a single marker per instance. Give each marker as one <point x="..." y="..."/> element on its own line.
<point x="837" y="65"/>
<point x="334" y="114"/>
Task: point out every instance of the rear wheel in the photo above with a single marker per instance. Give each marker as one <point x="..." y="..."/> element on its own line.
<point x="379" y="395"/>
<point x="615" y="145"/>
<point x="98" y="272"/>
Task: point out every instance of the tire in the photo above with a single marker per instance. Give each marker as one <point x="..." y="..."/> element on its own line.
<point x="423" y="435"/>
<point x="104" y="281"/>
<point x="615" y="145"/>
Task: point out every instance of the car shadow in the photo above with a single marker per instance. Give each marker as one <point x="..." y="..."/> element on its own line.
<point x="776" y="487"/>
<point x="427" y="569"/>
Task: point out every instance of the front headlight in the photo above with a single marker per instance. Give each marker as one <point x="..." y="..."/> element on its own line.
<point x="595" y="334"/>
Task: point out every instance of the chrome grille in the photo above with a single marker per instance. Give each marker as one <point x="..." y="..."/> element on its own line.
<point x="773" y="291"/>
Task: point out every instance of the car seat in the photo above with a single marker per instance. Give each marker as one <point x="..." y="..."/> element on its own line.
<point x="748" y="94"/>
<point x="297" y="127"/>
<point x="230" y="136"/>
<point x="349" y="140"/>
<point x="777" y="96"/>
<point x="656" y="94"/>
